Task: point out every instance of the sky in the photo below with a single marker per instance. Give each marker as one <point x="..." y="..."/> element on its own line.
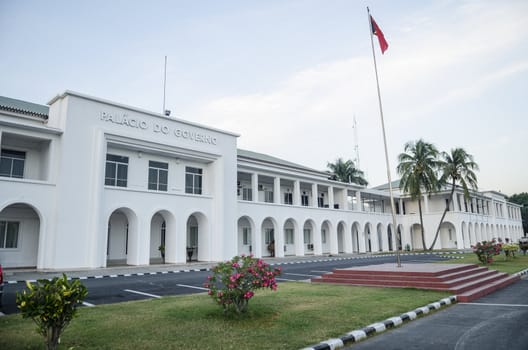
<point x="290" y="76"/>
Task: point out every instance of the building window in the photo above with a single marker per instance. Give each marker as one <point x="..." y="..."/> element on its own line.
<point x="269" y="235"/>
<point x="116" y="172"/>
<point x="288" y="198"/>
<point x="12" y="163"/>
<point x="288" y="236"/>
<point x="307" y="236"/>
<point x="320" y="202"/>
<point x="193" y="236"/>
<point x="304" y="200"/>
<point x="158" y="175"/>
<point x="246" y="235"/>
<point x="9" y="234"/>
<point x="268" y="196"/>
<point x="193" y="180"/>
<point x="247" y="194"/>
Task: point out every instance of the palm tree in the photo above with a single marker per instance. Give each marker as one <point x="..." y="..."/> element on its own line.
<point x="346" y="171"/>
<point x="418" y="167"/>
<point x="457" y="168"/>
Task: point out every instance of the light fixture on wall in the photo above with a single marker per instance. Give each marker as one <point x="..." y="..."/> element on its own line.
<point x="140" y="154"/>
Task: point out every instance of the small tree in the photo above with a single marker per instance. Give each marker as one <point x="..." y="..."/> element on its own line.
<point x="233" y="282"/>
<point x="51" y="305"/>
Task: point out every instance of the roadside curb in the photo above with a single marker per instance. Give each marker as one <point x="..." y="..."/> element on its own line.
<point x="142" y="272"/>
<point x="359" y="334"/>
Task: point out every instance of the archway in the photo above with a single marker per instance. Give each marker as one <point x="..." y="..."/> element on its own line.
<point x="389" y="237"/>
<point x="19" y="235"/>
<point x="197" y="238"/>
<point x="448" y="236"/>
<point x="268" y="237"/>
<point x="368" y="242"/>
<point x="289" y="237"/>
<point x="245" y="235"/>
<point x="325" y="237"/>
<point x="308" y="229"/>
<point x="122" y="237"/>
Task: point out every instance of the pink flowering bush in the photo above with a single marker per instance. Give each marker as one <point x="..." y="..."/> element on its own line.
<point x="233" y="282"/>
<point x="486" y="250"/>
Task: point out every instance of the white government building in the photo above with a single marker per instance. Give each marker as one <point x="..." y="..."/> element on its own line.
<point x="86" y="182"/>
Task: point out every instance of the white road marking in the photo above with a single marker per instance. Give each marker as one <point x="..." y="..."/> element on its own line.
<point x="87" y="304"/>
<point x="285" y="279"/>
<point x="485" y="304"/>
<point x="1" y="314"/>
<point x="300" y="274"/>
<point x="193" y="287"/>
<point x="142" y="293"/>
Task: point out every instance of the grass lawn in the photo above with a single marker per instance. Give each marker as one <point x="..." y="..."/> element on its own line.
<point x="296" y="315"/>
<point x="500" y="263"/>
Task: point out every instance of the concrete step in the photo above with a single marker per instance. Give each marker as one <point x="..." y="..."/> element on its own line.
<point x="486" y="289"/>
<point x="406" y="281"/>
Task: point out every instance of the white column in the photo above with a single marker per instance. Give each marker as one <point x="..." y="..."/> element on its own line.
<point x="296" y="192"/>
<point x="344" y="199"/>
<point x="314" y="195"/>
<point x="299" y="240"/>
<point x="276" y="191"/>
<point x="426" y="203"/>
<point x="454" y="200"/>
<point x="332" y="235"/>
<point x="279" y="241"/>
<point x="254" y="187"/>
<point x="358" y="201"/>
<point x="400" y="204"/>
<point x="318" y="244"/>
<point x="330" y="197"/>
<point x="256" y="241"/>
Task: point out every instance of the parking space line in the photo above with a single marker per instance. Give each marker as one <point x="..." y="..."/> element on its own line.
<point x="488" y="304"/>
<point x="142" y="293"/>
<point x="193" y="287"/>
<point x="87" y="304"/>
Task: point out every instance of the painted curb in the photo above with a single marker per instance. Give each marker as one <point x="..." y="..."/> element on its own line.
<point x="442" y="254"/>
<point x="359" y="334"/>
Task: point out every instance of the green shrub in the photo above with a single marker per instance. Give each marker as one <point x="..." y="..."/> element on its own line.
<point x="509" y="249"/>
<point x="51" y="305"/>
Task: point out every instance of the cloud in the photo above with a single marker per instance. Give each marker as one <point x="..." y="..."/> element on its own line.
<point x="439" y="61"/>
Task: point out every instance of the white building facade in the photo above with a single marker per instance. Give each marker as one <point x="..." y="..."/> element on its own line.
<point x="86" y="182"/>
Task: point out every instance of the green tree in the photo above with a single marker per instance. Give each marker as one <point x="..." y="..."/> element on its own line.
<point x="346" y="171"/>
<point x="458" y="168"/>
<point x="418" y="167"/>
<point x="522" y="199"/>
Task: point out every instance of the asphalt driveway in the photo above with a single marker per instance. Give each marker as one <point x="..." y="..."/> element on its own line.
<point x="496" y="321"/>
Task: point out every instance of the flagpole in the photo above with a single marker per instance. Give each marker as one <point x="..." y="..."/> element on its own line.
<point x="393" y="209"/>
<point x="164" y="85"/>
